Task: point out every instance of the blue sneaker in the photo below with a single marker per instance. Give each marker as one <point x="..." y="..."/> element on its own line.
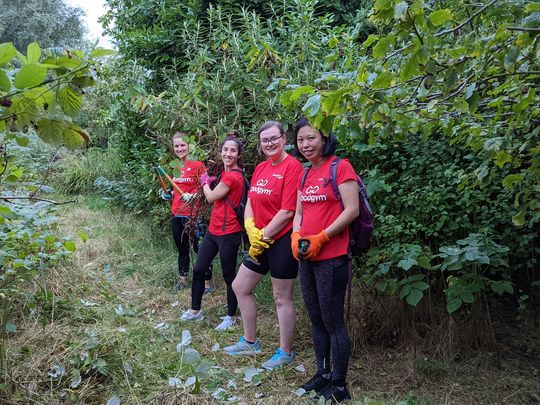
<point x="280" y="358"/>
<point x="243" y="347"/>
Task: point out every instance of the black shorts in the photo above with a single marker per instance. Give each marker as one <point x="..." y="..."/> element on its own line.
<point x="277" y="259"/>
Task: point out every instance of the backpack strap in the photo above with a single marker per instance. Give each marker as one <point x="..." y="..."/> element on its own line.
<point x="243" y="191"/>
<point x="335" y="189"/>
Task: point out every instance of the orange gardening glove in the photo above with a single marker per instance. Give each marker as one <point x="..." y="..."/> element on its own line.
<point x="295" y="237"/>
<point x="315" y="245"/>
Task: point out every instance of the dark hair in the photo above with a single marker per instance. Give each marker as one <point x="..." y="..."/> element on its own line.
<point x="233" y="136"/>
<point x="270" y="124"/>
<point x="330" y="141"/>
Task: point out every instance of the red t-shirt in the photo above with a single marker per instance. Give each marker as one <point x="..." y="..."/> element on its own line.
<point x="223" y="220"/>
<point x="273" y="188"/>
<point x="320" y="207"/>
<point x="188" y="182"/>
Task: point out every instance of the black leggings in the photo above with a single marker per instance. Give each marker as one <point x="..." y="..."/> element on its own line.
<point x="183" y="242"/>
<point x="227" y="246"/>
<point x="323" y="285"/>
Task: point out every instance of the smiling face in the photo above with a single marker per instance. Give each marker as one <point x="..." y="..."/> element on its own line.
<point x="272" y="142"/>
<point x="229" y="154"/>
<point x="310" y="143"/>
<point x="180" y="148"/>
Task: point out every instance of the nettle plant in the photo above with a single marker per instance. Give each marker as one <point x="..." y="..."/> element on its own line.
<point x="471" y="266"/>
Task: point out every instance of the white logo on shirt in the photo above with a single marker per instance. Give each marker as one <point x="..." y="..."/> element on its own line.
<point x="278" y="176"/>
<point x="262" y="182"/>
<point x="312" y="189"/>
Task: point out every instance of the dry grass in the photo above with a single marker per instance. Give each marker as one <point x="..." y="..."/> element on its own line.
<point x="125" y="263"/>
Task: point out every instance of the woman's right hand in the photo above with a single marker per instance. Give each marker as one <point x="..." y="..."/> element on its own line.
<point x="256" y="235"/>
<point x="166" y="195"/>
<point x="295" y="237"/>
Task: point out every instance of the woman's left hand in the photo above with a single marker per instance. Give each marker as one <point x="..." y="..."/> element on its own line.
<point x="316" y="242"/>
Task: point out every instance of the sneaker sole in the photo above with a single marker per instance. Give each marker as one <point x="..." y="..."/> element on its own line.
<point x="242" y="353"/>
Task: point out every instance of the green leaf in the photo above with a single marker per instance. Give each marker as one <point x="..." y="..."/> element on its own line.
<point x="11" y="327"/>
<point x="7" y="52"/>
<point x="453" y="305"/>
<point x="424" y="262"/>
<point x="313" y="105"/>
<point x="420" y="285"/>
<point x="406" y="290"/>
<point x="400" y="11"/>
<point x="5" y="211"/>
<point x="519" y="218"/>
<point x="51" y="131"/>
<point x="379" y="50"/>
<point x="467" y="297"/>
<point x="69" y="100"/>
<point x="33" y="52"/>
<point x="370" y="39"/>
<point x="407" y="263"/>
<point x="331" y="104"/>
<point x="382" y="5"/>
<point x="22" y="140"/>
<point x="296" y="93"/>
<point x="409" y="68"/>
<point x="69" y="245"/>
<point x="63" y="62"/>
<point x="532" y="7"/>
<point x="75" y="137"/>
<point x="502" y="157"/>
<point x="83" y="81"/>
<point x="511" y="57"/>
<point x="99" y="52"/>
<point x="440" y="17"/>
<point x="82" y="235"/>
<point x="5" y="84"/>
<point x="383" y="80"/>
<point x="512" y="180"/>
<point x="414" y="297"/>
<point x="29" y="75"/>
<point x="502" y="286"/>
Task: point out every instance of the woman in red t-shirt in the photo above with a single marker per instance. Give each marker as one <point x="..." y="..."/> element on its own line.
<point x="268" y="222"/>
<point x="182" y="209"/>
<point x="320" y="225"/>
<point x="224" y="234"/>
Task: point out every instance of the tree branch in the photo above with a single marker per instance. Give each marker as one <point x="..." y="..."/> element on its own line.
<point x="527" y="29"/>
<point x="449" y="31"/>
<point x="19" y="197"/>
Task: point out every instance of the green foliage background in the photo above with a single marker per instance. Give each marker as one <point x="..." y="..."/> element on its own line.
<point x="436" y="103"/>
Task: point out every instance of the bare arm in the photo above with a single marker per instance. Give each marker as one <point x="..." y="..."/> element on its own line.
<point x="349" y="197"/>
<point x="282" y="218"/>
<point x="219" y="192"/>
<point x="248" y="212"/>
<point x="297" y="221"/>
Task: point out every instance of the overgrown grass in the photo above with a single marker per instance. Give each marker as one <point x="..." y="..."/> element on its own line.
<point x="110" y="319"/>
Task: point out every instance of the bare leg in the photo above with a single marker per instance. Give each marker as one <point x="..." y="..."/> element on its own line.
<point x="283" y="297"/>
<point x="243" y="285"/>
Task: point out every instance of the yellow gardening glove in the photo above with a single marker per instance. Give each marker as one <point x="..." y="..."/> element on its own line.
<point x="316" y="242"/>
<point x="255" y="234"/>
<point x="255" y="251"/>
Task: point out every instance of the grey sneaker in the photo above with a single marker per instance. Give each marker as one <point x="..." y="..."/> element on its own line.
<point x="190" y="316"/>
<point x="279" y="359"/>
<point x="227" y="323"/>
<point x="243" y="347"/>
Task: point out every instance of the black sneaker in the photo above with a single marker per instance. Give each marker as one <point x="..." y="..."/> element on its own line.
<point x="335" y="394"/>
<point x="316" y="383"/>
